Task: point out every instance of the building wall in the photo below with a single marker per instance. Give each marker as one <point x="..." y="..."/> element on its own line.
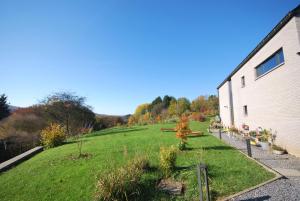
<point x="224" y="104"/>
<point x="298" y="26"/>
<point x="273" y="100"/>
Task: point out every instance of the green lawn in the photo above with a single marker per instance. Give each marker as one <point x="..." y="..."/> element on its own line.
<point x="53" y="175"/>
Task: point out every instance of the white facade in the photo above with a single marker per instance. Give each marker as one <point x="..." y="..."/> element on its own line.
<point x="272" y="100"/>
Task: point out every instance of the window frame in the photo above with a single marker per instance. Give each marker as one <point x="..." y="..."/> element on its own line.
<point x="245" y="110"/>
<point x="243" y="81"/>
<point x="273" y="68"/>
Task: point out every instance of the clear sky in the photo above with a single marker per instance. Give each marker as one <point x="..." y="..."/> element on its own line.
<point x="121" y="53"/>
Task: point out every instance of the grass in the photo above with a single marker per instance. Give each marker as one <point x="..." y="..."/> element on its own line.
<point x="54" y="175"/>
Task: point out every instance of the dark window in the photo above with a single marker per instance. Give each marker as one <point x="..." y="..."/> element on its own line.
<point x="245" y="110"/>
<point x="243" y="81"/>
<point x="273" y="61"/>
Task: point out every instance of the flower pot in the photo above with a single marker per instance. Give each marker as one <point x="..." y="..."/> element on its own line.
<point x="264" y="145"/>
<point x="278" y="152"/>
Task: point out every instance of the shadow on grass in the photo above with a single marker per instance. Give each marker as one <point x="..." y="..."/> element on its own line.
<point x="74" y="141"/>
<point x="149" y="191"/>
<point x="115" y="131"/>
<point x="191" y="136"/>
<point x="180" y="168"/>
<point x="209" y="148"/>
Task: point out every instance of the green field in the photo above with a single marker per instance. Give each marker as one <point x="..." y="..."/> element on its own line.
<point x="53" y="175"/>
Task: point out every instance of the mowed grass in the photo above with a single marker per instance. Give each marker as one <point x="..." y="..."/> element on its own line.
<point x="53" y="175"/>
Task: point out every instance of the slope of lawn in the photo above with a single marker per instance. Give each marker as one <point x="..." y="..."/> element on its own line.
<point x="54" y="175"/>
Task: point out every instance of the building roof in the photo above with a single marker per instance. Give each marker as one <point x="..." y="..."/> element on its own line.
<point x="274" y="31"/>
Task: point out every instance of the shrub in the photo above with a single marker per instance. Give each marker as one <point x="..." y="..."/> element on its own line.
<point x="182" y="145"/>
<point x="182" y="130"/>
<point x="19" y="133"/>
<point x="233" y="130"/>
<point x="265" y="135"/>
<point x="123" y="183"/>
<point x="167" y="156"/>
<point x="53" y="135"/>
<point x="196" y="116"/>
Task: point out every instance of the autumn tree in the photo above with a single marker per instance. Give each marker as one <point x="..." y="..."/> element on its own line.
<point x="131" y="120"/>
<point x="199" y="104"/>
<point x="172" y="110"/>
<point x="4" y="109"/>
<point x="157" y="109"/>
<point x="183" y="105"/>
<point x="213" y="102"/>
<point x="141" y="110"/>
<point x="205" y="105"/>
<point x="69" y="110"/>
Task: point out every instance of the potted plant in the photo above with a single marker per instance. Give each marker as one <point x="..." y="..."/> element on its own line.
<point x="264" y="139"/>
<point x="278" y="150"/>
<point x="252" y="135"/>
<point x="233" y="131"/>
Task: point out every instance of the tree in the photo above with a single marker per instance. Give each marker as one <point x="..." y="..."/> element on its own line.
<point x="213" y="102"/>
<point x="157" y="109"/>
<point x="172" y="110"/>
<point x="166" y="101"/>
<point x="69" y="110"/>
<point x="132" y="120"/>
<point x="141" y="110"/>
<point x="183" y="105"/>
<point x="4" y="109"/>
<point x="156" y="101"/>
<point x="199" y="104"/>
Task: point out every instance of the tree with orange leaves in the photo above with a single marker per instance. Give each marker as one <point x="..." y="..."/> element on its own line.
<point x="182" y="130"/>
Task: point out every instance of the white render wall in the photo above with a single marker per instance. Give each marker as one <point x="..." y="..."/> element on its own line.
<point x="224" y="104"/>
<point x="273" y="100"/>
<point x="298" y="26"/>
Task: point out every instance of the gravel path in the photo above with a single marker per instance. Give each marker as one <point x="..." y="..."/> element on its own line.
<point x="285" y="189"/>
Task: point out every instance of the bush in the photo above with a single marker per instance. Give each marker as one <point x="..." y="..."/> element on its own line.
<point x="123" y="183"/>
<point x="182" y="145"/>
<point x="53" y="135"/>
<point x="196" y="116"/>
<point x="167" y="157"/>
<point x="19" y="133"/>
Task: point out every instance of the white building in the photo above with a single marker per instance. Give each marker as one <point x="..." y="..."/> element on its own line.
<point x="264" y="89"/>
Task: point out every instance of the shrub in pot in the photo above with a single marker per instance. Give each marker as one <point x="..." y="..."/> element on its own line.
<point x="264" y="139"/>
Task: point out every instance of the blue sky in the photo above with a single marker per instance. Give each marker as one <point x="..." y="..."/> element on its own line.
<point x="122" y="53"/>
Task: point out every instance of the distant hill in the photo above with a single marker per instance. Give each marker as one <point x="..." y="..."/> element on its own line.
<point x="123" y="117"/>
<point x="13" y="108"/>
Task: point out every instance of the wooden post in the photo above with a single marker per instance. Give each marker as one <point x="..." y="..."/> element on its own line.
<point x="202" y="168"/>
<point x="248" y="147"/>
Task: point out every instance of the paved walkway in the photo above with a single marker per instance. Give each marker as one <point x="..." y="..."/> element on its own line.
<point x="285" y="189"/>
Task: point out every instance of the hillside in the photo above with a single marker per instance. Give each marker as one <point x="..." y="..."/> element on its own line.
<point x="55" y="175"/>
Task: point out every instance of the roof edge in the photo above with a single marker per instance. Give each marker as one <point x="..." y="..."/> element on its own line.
<point x="264" y="41"/>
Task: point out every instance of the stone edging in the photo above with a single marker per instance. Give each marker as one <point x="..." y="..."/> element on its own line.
<point x="277" y="175"/>
<point x="19" y="158"/>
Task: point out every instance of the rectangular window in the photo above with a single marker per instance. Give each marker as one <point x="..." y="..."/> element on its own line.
<point x="272" y="62"/>
<point x="243" y="81"/>
<point x="245" y="110"/>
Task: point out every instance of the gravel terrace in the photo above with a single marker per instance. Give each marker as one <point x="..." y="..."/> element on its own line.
<point x="284" y="189"/>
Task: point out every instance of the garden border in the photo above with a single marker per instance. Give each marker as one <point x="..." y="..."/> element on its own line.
<point x="6" y="165"/>
<point x="277" y="174"/>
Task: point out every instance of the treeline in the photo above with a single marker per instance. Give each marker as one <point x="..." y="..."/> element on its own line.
<point x="169" y="108"/>
<point x="20" y="130"/>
